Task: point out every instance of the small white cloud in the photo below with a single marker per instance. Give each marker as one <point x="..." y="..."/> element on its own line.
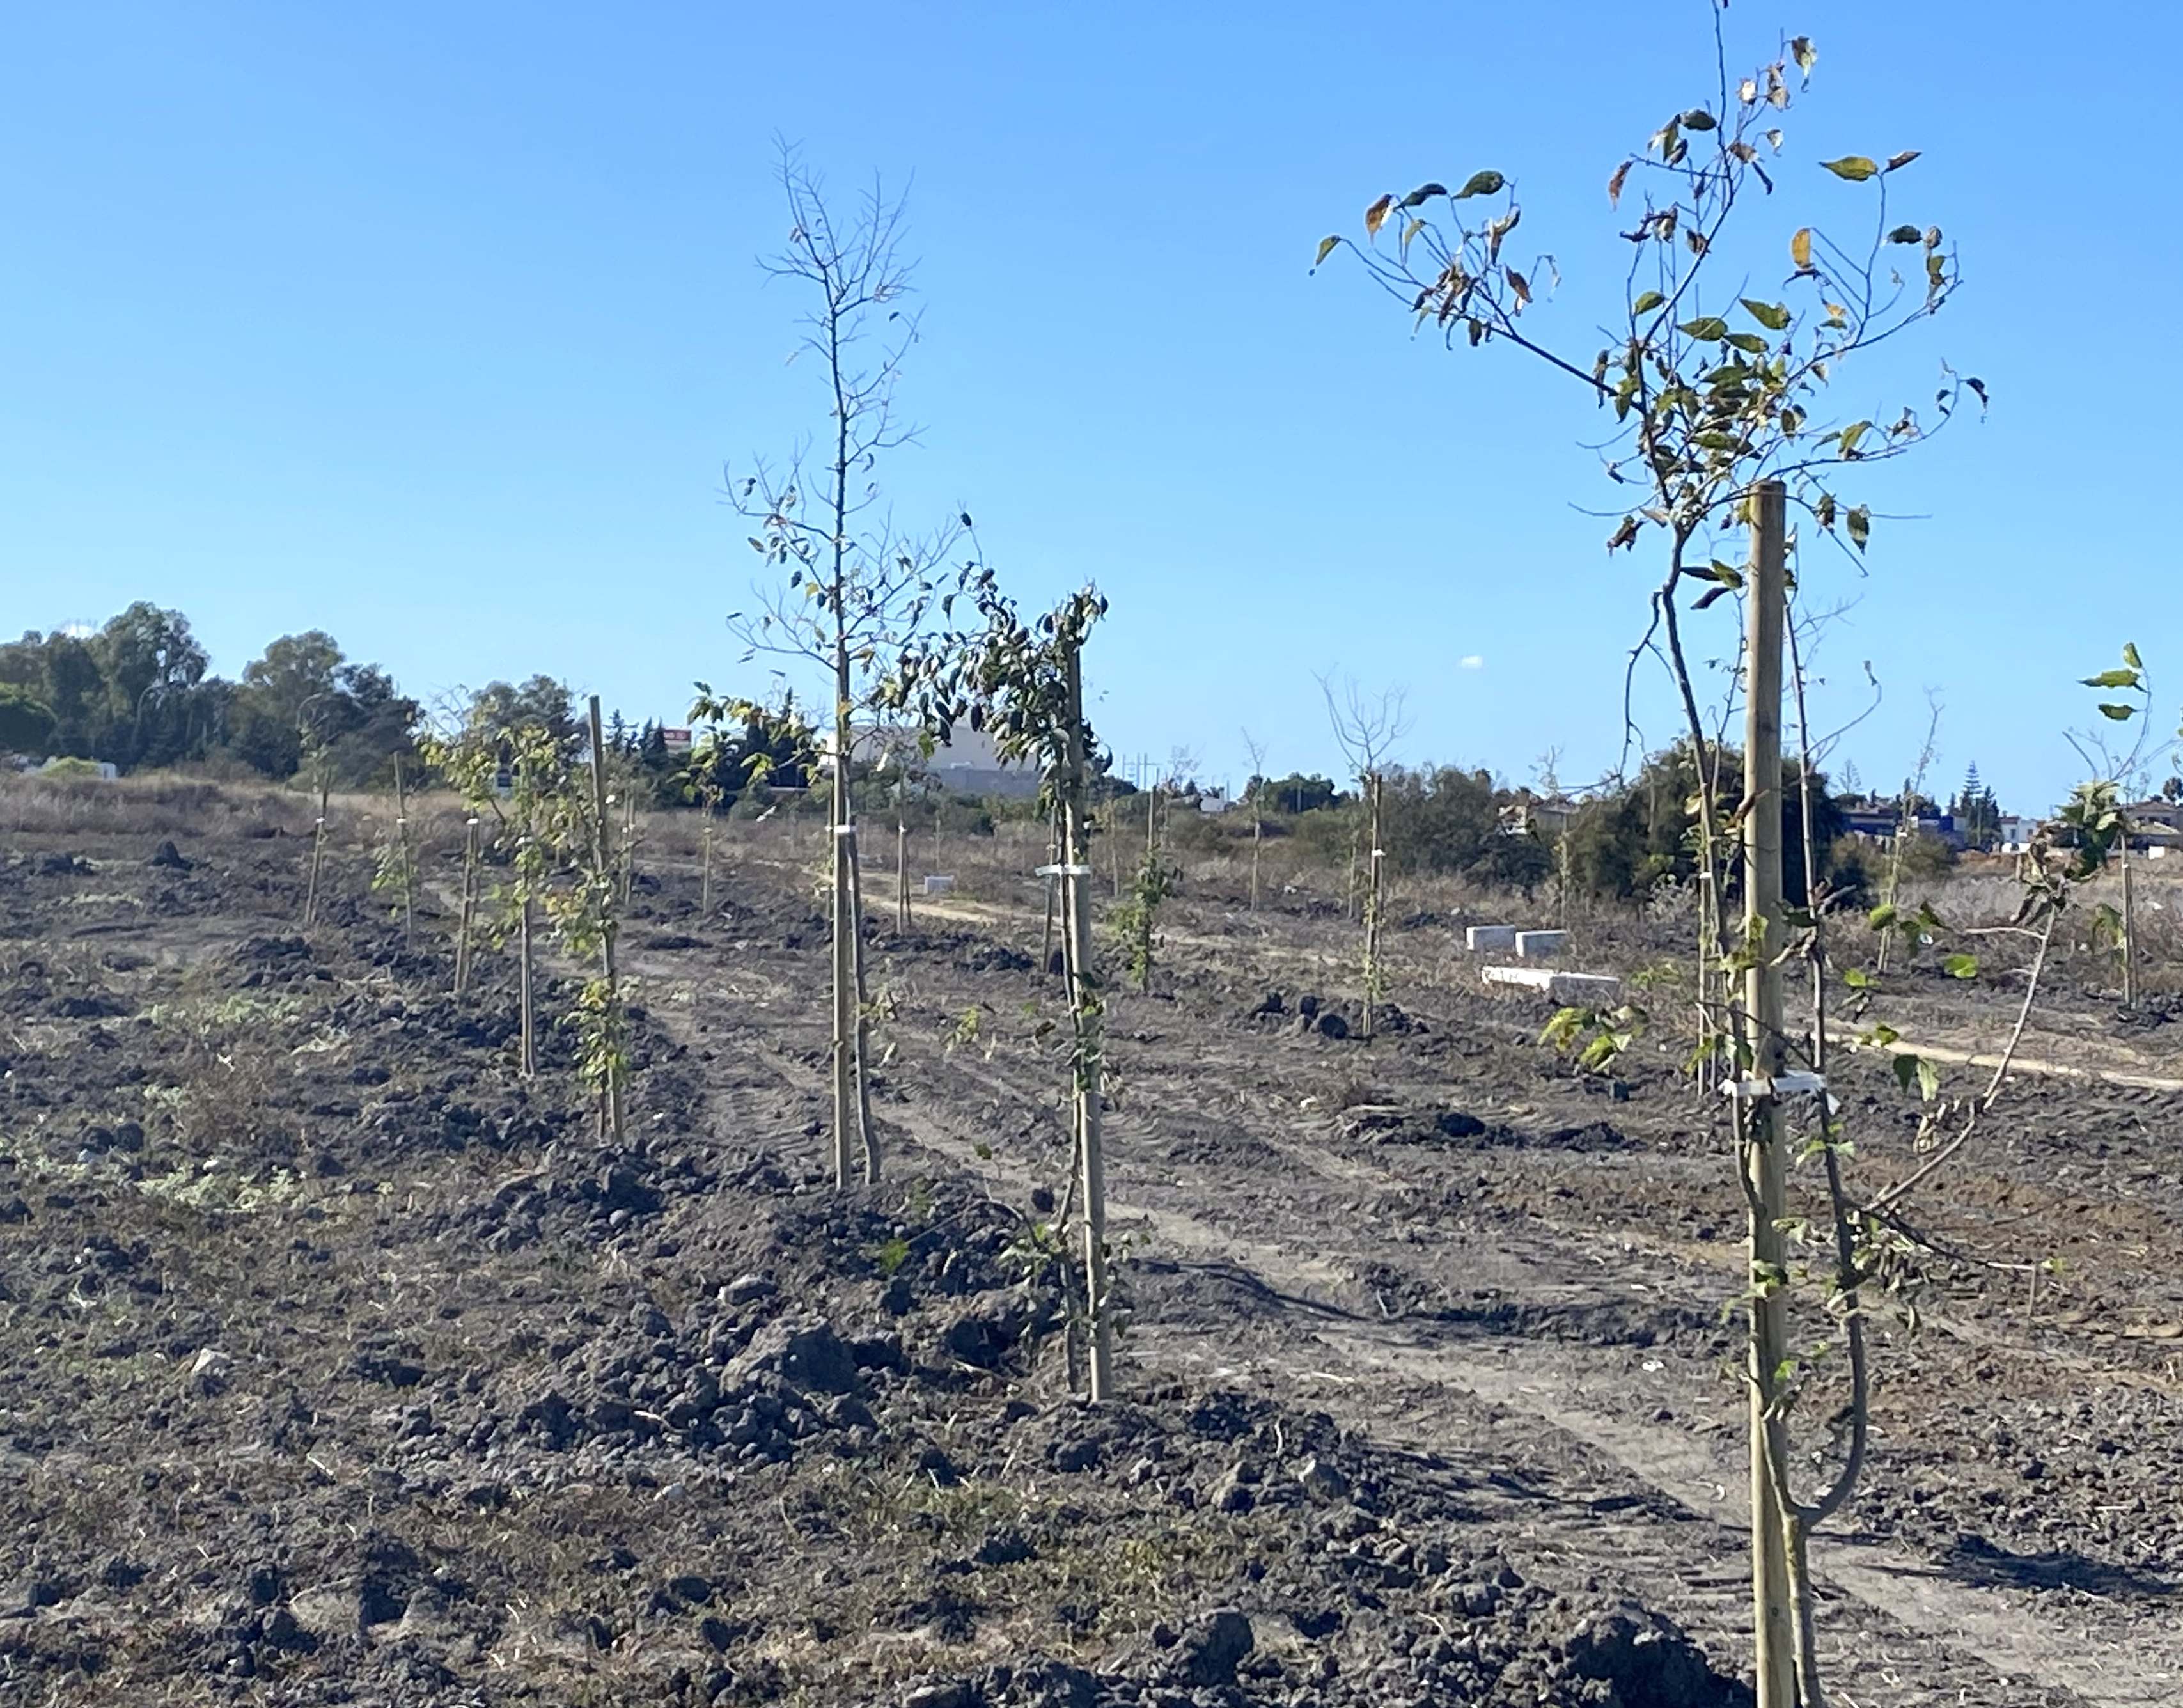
<point x="1471" y="661"/>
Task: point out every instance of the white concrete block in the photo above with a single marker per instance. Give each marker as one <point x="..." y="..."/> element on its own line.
<point x="939" y="883"/>
<point x="1576" y="989"/>
<point x="1539" y="945"/>
<point x="1480" y="938"/>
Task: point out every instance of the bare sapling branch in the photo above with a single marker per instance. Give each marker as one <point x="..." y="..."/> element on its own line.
<point x="852" y="588"/>
<point x="1366" y="728"/>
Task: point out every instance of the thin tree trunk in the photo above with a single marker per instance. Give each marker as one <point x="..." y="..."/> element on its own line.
<point x="318" y="858"/>
<point x="1803" y="1520"/>
<point x="610" y="1109"/>
<point x="1758" y="1113"/>
<point x="524" y="993"/>
<point x="1054" y="857"/>
<point x="844" y="967"/>
<point x="2128" y="926"/>
<point x="705" y="882"/>
<point x="469" y="915"/>
<point x="1258" y="838"/>
<point x="1084" y="1007"/>
<point x="402" y="850"/>
<point x="1372" y="911"/>
<point x="1811" y="1689"/>
<point x="861" y="1060"/>
<point x="629" y="841"/>
<point x="901" y="921"/>
<point x="1713" y="981"/>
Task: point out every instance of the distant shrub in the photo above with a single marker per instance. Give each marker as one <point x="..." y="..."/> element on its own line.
<point x="1928" y="856"/>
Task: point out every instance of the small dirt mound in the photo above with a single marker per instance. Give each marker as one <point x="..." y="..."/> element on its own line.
<point x="994" y="957"/>
<point x="1593" y="1135"/>
<point x="1646" y="1662"/>
<point x="91" y="1006"/>
<point x="170" y="858"/>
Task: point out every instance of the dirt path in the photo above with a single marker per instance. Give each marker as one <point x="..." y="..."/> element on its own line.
<point x="1420" y="1384"/>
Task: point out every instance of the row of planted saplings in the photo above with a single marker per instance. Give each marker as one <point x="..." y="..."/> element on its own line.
<point x="569" y="861"/>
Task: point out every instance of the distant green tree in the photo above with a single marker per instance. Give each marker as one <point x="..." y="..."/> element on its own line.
<point x="1976" y="812"/>
<point x="1443" y="819"/>
<point x="540" y="703"/>
<point x="1623" y="844"/>
<point x="152" y="666"/>
<point x="284" y="697"/>
<point x="746" y="748"/>
<point x="1293" y="794"/>
<point x="26" y="723"/>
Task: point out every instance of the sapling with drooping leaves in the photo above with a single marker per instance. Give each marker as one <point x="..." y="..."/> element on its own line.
<point x="1133" y="920"/>
<point x="1714" y="393"/>
<point x="1022" y="683"/>
<point x="2118" y="773"/>
<point x="1710" y="391"/>
<point x="480" y="758"/>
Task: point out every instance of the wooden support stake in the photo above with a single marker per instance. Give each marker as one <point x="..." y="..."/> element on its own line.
<point x="403" y="852"/>
<point x="610" y="1110"/>
<point x="1759" y="1117"/>
<point x="469" y="909"/>
<point x="317" y="856"/>
<point x="1085" y="1010"/>
<point x="901" y="921"/>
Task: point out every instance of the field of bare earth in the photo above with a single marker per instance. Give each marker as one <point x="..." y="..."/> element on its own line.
<point x="339" y="1364"/>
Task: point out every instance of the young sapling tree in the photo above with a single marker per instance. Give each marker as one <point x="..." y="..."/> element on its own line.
<point x="318" y="842"/>
<point x="1135" y="920"/>
<point x="1710" y="391"/>
<point x="397" y="866"/>
<point x="1254" y="792"/>
<point x="853" y="588"/>
<point x="2120" y="776"/>
<point x="707" y="787"/>
<point x="586" y="916"/>
<point x="1366" y="728"/>
<point x="1023" y="682"/>
<point x="1906" y="822"/>
<point x="466" y="920"/>
<point x="1717" y="398"/>
<point x="510" y="771"/>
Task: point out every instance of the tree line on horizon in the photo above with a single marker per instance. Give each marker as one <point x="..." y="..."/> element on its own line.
<point x="138" y="692"/>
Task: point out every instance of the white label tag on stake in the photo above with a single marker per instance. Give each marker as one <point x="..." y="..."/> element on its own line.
<point x="1062" y="871"/>
<point x="1779" y="1084"/>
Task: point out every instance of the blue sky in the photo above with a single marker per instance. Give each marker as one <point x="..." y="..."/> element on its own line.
<point x="432" y="325"/>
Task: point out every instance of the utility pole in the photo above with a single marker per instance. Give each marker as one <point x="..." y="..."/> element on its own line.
<point x="1758" y="1113"/>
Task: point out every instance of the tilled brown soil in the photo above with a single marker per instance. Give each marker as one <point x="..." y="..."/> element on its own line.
<point x="339" y="1365"/>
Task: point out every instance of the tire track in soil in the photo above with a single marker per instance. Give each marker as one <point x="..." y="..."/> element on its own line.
<point x="1408" y="1385"/>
